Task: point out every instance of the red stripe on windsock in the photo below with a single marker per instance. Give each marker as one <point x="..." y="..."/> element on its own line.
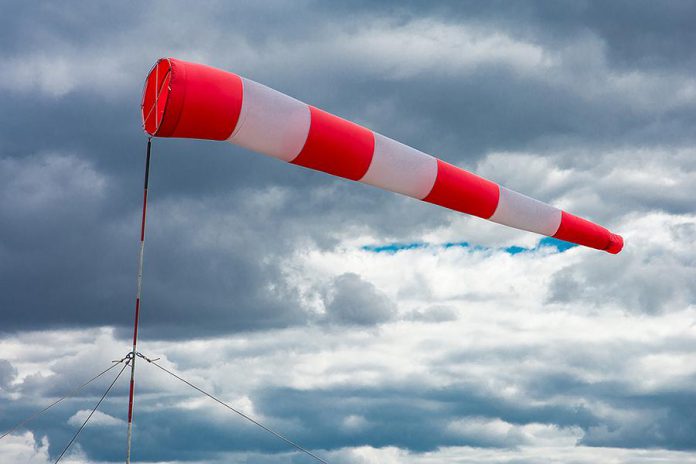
<point x="336" y="146"/>
<point x="202" y="103"/>
<point x="583" y="232"/>
<point x="463" y="191"/>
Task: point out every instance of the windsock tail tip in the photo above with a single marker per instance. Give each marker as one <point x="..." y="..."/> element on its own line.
<point x="616" y="244"/>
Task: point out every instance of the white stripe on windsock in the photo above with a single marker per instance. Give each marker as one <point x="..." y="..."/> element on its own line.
<point x="400" y="168"/>
<point x="520" y="211"/>
<point x="271" y="122"/>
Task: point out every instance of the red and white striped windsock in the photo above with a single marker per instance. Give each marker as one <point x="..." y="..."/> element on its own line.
<point x="191" y="100"/>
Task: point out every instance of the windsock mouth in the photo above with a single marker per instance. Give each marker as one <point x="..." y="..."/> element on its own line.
<point x="156" y="95"/>
<point x="190" y="100"/>
<point x="616" y="244"/>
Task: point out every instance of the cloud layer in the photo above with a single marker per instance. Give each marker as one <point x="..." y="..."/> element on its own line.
<point x="281" y="289"/>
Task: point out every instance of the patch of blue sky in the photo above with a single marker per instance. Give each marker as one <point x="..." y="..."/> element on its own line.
<point x="560" y="245"/>
<point x="514" y="250"/>
<point x="392" y="248"/>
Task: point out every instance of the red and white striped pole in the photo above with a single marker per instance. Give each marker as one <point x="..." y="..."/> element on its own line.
<point x="137" y="303"/>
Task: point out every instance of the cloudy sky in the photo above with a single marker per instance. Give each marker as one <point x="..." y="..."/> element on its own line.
<point x="369" y="327"/>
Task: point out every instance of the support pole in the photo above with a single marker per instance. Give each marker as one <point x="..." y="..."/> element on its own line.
<point x="137" y="304"/>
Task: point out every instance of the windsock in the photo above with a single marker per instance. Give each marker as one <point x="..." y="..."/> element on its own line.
<point x="190" y="100"/>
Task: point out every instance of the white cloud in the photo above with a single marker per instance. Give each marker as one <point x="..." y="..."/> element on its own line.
<point x="24" y="448"/>
<point x="521" y="455"/>
<point x="426" y="46"/>
<point x="98" y="419"/>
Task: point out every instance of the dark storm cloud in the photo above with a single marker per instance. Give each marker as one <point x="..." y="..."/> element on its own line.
<point x="420" y="420"/>
<point x="648" y="278"/>
<point x="669" y="422"/>
<point x="7" y="374"/>
<point x="411" y="419"/>
<point x="637" y="33"/>
<point x="609" y="77"/>
<point x="352" y="300"/>
<point x="69" y="262"/>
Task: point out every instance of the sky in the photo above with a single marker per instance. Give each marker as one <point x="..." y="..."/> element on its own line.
<point x="366" y="326"/>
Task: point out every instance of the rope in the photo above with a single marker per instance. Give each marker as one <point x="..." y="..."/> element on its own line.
<point x="93" y="411"/>
<point x="276" y="434"/>
<point x="69" y="394"/>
